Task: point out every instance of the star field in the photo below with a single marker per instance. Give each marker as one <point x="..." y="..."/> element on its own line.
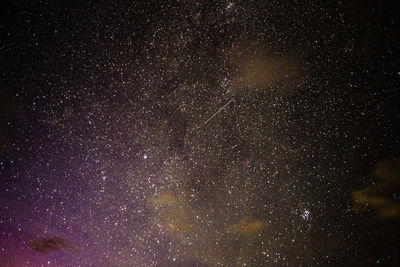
<point x="199" y="133"/>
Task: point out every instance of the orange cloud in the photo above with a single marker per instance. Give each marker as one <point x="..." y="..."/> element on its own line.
<point x="380" y="197"/>
<point x="262" y="69"/>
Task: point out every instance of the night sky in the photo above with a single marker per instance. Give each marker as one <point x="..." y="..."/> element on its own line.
<point x="199" y="133"/>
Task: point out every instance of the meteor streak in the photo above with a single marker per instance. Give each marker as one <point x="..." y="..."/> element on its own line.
<point x="218" y="111"/>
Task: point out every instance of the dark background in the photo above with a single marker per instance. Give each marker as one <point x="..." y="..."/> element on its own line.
<point x="100" y="102"/>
